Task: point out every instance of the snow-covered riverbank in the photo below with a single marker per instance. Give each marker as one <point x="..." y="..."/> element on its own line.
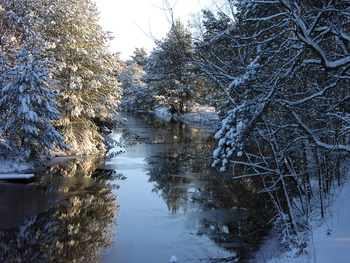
<point x="7" y="166"/>
<point x="329" y="240"/>
<point x="200" y="117"/>
<point x="11" y="166"/>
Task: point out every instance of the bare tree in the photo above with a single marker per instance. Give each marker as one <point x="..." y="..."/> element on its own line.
<point x="281" y="68"/>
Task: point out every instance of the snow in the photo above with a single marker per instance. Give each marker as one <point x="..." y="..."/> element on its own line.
<point x="15" y="176"/>
<point x="332" y="239"/>
<point x="201" y="117"/>
<point x="329" y="241"/>
<point x="173" y="259"/>
<point x="162" y="113"/>
<point x="10" y="166"/>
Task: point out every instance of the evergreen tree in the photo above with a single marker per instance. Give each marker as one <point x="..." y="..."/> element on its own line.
<point x="30" y="109"/>
<point x="135" y="97"/>
<point x="85" y="71"/>
<point x="167" y="69"/>
<point x="140" y="57"/>
<point x="4" y="147"/>
<point x="214" y="47"/>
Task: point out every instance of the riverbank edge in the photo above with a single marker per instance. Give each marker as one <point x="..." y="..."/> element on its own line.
<point x="325" y="235"/>
<point x="201" y="117"/>
<point x="270" y="250"/>
<point x="22" y="168"/>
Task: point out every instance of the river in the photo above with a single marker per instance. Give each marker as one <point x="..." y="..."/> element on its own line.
<point x="154" y="197"/>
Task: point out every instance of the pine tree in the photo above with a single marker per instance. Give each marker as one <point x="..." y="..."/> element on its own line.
<point x="140" y="57"/>
<point x="167" y="69"/>
<point x="67" y="33"/>
<point x="30" y="108"/>
<point x="4" y="147"/>
<point x="135" y="95"/>
<point x="86" y="73"/>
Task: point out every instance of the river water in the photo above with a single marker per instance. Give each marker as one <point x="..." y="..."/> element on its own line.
<point x="155" y="197"/>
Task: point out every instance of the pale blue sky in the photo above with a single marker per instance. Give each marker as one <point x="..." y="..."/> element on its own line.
<point x="127" y="20"/>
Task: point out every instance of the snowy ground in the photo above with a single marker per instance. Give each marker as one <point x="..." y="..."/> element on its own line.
<point x="201" y="117"/>
<point x="330" y="239"/>
<point x="7" y="166"/>
<point x="334" y="247"/>
<point x="11" y="176"/>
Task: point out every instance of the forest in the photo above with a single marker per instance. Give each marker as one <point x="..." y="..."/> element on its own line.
<point x="276" y="71"/>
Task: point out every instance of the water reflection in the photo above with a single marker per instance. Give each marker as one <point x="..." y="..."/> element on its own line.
<point x="229" y="212"/>
<point x="73" y="223"/>
<point x="177" y="169"/>
<point x="172" y="202"/>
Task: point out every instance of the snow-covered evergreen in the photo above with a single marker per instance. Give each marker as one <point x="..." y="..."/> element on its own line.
<point x="135" y="93"/>
<point x="30" y="108"/>
<point x="4" y="67"/>
<point x="166" y="71"/>
<point x="84" y="72"/>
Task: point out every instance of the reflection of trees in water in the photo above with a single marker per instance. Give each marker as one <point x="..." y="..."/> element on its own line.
<point x="74" y="230"/>
<point x="81" y="166"/>
<point x="174" y="170"/>
<point x="230" y="212"/>
<point x="170" y="177"/>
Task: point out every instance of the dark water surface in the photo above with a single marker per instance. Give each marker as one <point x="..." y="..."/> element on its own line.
<point x="156" y="199"/>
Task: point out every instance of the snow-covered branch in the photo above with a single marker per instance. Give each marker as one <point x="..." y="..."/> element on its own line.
<point x="317" y="140"/>
<point x="305" y="32"/>
<point x="313" y="96"/>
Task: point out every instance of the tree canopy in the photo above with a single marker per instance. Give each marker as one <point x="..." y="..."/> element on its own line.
<point x="81" y="73"/>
